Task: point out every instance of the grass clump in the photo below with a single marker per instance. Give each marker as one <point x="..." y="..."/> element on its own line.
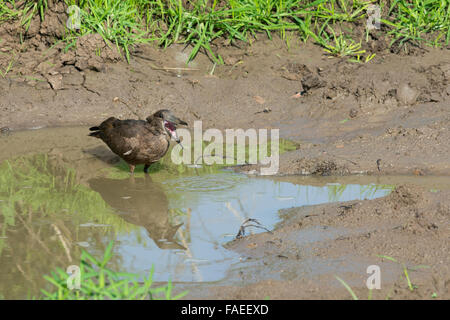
<point x="411" y="286"/>
<point x="23" y="10"/>
<point x="97" y="282"/>
<point x="199" y="23"/>
<point x="119" y="22"/>
<point x="419" y="21"/>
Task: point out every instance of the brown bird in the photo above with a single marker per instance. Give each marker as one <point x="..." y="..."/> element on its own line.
<point x="139" y="141"/>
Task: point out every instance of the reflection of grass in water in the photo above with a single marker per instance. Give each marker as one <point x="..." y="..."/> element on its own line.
<point x="165" y="168"/>
<point x="336" y="191"/>
<point x="371" y="189"/>
<point x="34" y="185"/>
<point x="41" y="207"/>
<point x="37" y="194"/>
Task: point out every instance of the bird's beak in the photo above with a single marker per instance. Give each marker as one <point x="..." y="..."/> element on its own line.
<point x="175" y="120"/>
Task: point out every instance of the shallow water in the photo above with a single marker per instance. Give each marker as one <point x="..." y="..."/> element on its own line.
<point x="73" y="196"/>
<point x="211" y="210"/>
<point x="178" y="224"/>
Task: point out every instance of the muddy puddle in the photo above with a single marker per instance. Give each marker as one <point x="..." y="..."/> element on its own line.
<point x="62" y="192"/>
<point x="184" y="222"/>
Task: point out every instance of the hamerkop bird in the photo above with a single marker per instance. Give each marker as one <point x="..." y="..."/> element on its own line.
<point x="139" y="141"/>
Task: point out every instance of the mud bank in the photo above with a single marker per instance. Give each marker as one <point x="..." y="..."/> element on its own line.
<point x="350" y="236"/>
<point x="393" y="110"/>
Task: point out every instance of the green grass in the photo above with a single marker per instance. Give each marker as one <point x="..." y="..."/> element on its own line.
<point x="200" y="23"/>
<point x="349" y="289"/>
<point x="344" y="47"/>
<point x="119" y="22"/>
<point x="23" y="10"/>
<point x="8" y="68"/>
<point x="405" y="270"/>
<point x="409" y="283"/>
<point x="97" y="282"/>
<point x="419" y="21"/>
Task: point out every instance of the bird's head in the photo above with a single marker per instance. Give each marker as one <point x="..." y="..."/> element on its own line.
<point x="168" y="122"/>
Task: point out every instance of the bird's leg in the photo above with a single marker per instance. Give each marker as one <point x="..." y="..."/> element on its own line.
<point x="146" y="168"/>
<point x="132" y="168"/>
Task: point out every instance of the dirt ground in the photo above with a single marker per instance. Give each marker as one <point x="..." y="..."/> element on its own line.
<point x="390" y="116"/>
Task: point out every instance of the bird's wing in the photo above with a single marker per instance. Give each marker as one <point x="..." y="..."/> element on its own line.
<point x="122" y="136"/>
<point x="156" y="146"/>
<point x="129" y="128"/>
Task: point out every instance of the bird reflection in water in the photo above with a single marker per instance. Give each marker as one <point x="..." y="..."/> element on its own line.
<point x="142" y="202"/>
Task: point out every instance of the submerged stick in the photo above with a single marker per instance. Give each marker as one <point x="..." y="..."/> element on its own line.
<point x="60" y="236"/>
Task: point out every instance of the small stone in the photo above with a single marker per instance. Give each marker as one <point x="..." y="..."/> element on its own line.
<point x="259" y="99"/>
<point x="406" y="94"/>
<point x="311" y="82"/>
<point x="231" y="61"/>
<point x="353" y="113"/>
<point x="55" y="81"/>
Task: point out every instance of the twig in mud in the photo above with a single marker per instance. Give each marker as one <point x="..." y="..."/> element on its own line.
<point x="265" y="110"/>
<point x="143" y="57"/>
<point x="346" y="207"/>
<point x="247" y="224"/>
<point x="352" y="162"/>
